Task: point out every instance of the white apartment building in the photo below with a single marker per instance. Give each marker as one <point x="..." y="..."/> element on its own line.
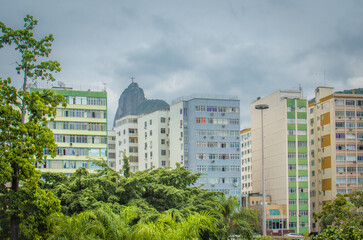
<point x="153" y="130"/>
<point x="111" y="149"/>
<point x="246" y="162"/>
<point x="127" y="141"/>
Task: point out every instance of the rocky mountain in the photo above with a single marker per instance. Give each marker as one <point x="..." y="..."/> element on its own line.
<point x="133" y="102"/>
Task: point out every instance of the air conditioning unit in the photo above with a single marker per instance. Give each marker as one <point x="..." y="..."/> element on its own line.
<point x="213" y="185"/>
<point x="235" y="184"/>
<point x="223" y="137"/>
<point x="213" y="161"/>
<point x="204" y="137"/>
<point x="212" y="137"/>
<point x="223" y="114"/>
<point x="211" y="114"/>
<point x="337" y="185"/>
<point x="223" y="126"/>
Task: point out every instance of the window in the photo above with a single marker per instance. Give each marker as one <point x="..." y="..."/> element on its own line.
<point x="274" y="212"/>
<point x="292" y="166"/>
<point x="162" y="141"/>
<point x="162" y="130"/>
<point x="291" y="132"/>
<point x="350" y="113"/>
<point x="303" y="178"/>
<point x="291" y="155"/>
<point x="303" y="212"/>
<point x="292" y="225"/>
<point x="200" y="120"/>
<point x="350" y="136"/>
<point x="292" y="201"/>
<point x="211" y="109"/>
<point x="302" y="155"/>
<point x="301" y="132"/>
<point x="339" y="124"/>
<point x="292" y="190"/>
<point x="292" y="179"/>
<point x="350" y="102"/>
<point x="350" y="124"/>
<point x="162" y="120"/>
<point x="163" y="152"/>
<point x="339" y="102"/>
<point x="292" y="213"/>
<point x="340" y="135"/>
<point x="303" y="167"/>
<point x="339" y="113"/>
<point x="340" y="169"/>
<point x="291" y="120"/>
<point x="291" y="144"/>
<point x="302" y="144"/>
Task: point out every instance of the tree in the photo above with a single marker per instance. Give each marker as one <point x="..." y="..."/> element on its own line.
<point x="23" y="122"/>
<point x="126" y="165"/>
<point x="342" y="218"/>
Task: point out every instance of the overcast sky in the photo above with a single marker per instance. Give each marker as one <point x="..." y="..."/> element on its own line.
<point x="176" y="48"/>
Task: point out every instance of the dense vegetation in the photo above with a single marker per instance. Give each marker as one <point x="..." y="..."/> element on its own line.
<point x="342" y="218"/>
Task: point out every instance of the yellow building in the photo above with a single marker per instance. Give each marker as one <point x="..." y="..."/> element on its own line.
<point x="336" y="145"/>
<point x="80" y="131"/>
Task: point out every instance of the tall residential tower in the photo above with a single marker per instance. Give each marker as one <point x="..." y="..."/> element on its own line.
<point x="286" y="157"/>
<point x="336" y="144"/>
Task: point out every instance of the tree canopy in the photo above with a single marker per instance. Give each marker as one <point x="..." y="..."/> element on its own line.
<point x="24" y="133"/>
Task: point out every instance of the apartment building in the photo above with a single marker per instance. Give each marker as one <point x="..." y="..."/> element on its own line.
<point x="111" y="143"/>
<point x="336" y="145"/>
<point x="153" y="132"/>
<point x="127" y="142"/>
<point x="246" y="164"/>
<point x="204" y="136"/>
<point x="80" y="131"/>
<point x="285" y="157"/>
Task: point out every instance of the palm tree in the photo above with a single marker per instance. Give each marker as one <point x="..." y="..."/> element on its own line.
<point x="236" y="220"/>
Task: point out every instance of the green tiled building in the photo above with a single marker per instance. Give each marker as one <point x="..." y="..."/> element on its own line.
<point x="80" y="131"/>
<point x="286" y="157"/>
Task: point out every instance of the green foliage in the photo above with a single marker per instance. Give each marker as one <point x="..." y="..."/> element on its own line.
<point x="30" y="49"/>
<point x="153" y="196"/>
<point x="24" y="134"/>
<point x="126" y="165"/>
<point x="342" y="218"/>
<point x="348" y="230"/>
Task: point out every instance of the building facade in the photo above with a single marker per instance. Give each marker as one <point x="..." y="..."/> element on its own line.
<point x="153" y="140"/>
<point x="80" y="131"/>
<point x="127" y="142"/>
<point x="285" y="156"/>
<point x="246" y="165"/>
<point x="111" y="149"/>
<point x="336" y="145"/>
<point x="204" y="136"/>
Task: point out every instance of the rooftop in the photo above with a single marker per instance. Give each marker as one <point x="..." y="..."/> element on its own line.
<point x="204" y="96"/>
<point x="351" y="91"/>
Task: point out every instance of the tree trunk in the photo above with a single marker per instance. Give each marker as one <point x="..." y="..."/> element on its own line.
<point x="14" y="218"/>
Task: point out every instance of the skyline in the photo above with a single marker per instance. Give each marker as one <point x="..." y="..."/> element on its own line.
<point x="174" y="49"/>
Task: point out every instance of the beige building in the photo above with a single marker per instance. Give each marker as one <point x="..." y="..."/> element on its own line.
<point x="285" y="153"/>
<point x="336" y="145"/>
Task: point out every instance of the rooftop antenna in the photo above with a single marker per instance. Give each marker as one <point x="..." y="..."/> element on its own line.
<point x="104" y="87"/>
<point x="132" y="79"/>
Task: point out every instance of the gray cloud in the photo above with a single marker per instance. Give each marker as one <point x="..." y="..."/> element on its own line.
<point x="177" y="48"/>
